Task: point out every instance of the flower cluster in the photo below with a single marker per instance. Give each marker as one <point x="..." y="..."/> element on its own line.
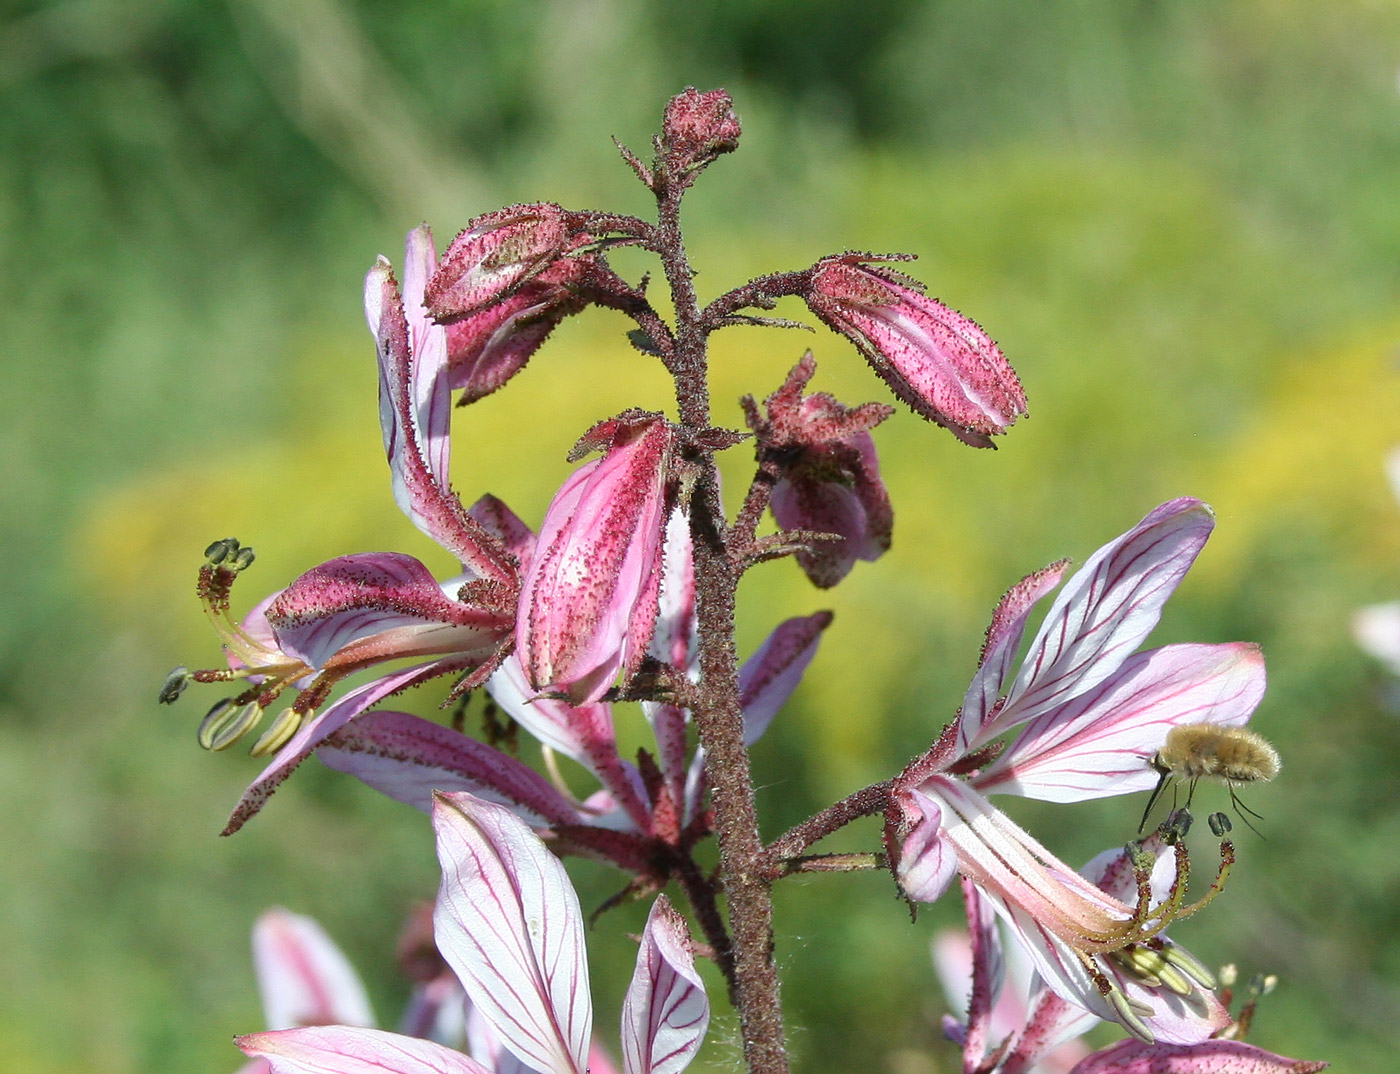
<point x="625" y="592"/>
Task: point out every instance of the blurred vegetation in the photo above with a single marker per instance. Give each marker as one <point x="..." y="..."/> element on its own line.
<point x="1179" y="219"/>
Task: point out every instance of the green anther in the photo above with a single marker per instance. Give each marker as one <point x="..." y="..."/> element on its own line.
<point x="287" y="723"/>
<point x="1128" y="1015"/>
<point x="221" y="550"/>
<point x="1219" y="824"/>
<point x="174" y="685"/>
<point x="243" y="559"/>
<point x="231" y="725"/>
<point x="213" y="720"/>
<point x="1188" y="965"/>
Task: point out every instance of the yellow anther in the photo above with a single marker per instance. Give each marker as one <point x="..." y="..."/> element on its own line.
<point x="287" y="724"/>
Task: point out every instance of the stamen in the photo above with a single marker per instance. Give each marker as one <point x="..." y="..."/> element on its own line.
<point x="229" y="725"/>
<point x="1227" y="861"/>
<point x="174" y="685"/>
<point x="1129" y="1016"/>
<point x="212" y="720"/>
<point x="287" y="724"/>
<point x="1220" y="825"/>
<point x="1153" y="968"/>
<point x="1187" y="963"/>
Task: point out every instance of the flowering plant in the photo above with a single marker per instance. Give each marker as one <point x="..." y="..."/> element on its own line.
<point x="625" y="593"/>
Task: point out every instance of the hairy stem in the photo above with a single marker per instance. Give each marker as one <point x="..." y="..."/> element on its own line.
<point x="719" y="717"/>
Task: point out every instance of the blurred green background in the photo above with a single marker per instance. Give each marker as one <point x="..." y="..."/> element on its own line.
<point x="1179" y="219"/>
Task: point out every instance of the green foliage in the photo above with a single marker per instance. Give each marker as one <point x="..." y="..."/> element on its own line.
<point x="1178" y="219"/>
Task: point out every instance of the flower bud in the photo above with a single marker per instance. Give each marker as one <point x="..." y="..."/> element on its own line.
<point x="830" y="477"/>
<point x="589" y="600"/>
<point x="487" y="348"/>
<point x="939" y="362"/>
<point x="493" y="256"/>
<point x="699" y="126"/>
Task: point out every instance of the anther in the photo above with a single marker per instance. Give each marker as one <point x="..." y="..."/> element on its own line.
<point x="1173" y="830"/>
<point x="243" y="560"/>
<point x="225" y="726"/>
<point x="287" y="724"/>
<point x="212" y="720"/>
<point x="1130" y="1015"/>
<point x="174" y="685"/>
<point x="221" y="550"/>
<point x="1220" y="824"/>
<point x="1187" y="964"/>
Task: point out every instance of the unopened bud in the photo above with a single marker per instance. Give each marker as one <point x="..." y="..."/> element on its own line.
<point x="939" y="362"/>
<point x="174" y="685"/>
<point x="494" y="255"/>
<point x="699" y="127"/>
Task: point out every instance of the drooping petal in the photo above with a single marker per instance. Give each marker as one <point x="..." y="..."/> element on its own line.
<point x="1101" y="743"/>
<point x="303" y="977"/>
<point x="589" y="599"/>
<point x="408" y="758"/>
<point x="1207" y="1057"/>
<point x="666" y="1011"/>
<point x="353" y="597"/>
<point x="770" y="675"/>
<point x="415" y="410"/>
<point x="301" y="745"/>
<point x="347" y="1050"/>
<point x="584" y="733"/>
<point x="508" y="923"/>
<point x="1104" y="612"/>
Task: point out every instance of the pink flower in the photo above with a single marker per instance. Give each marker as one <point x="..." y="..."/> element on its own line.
<point x="509" y="924"/>
<point x="1093" y="713"/>
<point x="495" y="254"/>
<point x="589" y="597"/>
<point x="939" y="362"/>
<point x="830" y="477"/>
<point x="359" y="610"/>
<point x="641" y="812"/>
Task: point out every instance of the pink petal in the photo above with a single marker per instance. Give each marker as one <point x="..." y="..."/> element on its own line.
<point x="927" y="860"/>
<point x="666" y="1012"/>
<point x="407" y="758"/>
<point x="770" y="675"/>
<point x="415" y="410"/>
<point x="304" y="978"/>
<point x="1104" y="612"/>
<point x="345" y="1050"/>
<point x="1003" y="639"/>
<point x="1208" y="1057"/>
<point x="356" y="596"/>
<point x="583" y="733"/>
<point x="589" y="598"/>
<point x="1102" y="742"/>
<point x="508" y="923"/>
